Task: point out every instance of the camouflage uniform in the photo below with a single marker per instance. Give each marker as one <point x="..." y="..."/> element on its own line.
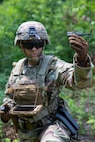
<point x="60" y="74"/>
<point x="47" y="80"/>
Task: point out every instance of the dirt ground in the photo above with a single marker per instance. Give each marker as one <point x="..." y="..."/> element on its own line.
<point x="8" y="132"/>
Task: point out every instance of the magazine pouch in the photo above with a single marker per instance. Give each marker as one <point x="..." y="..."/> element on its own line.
<point x="63" y="116"/>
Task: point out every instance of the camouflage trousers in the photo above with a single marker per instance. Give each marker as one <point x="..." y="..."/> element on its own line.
<point x="52" y="133"/>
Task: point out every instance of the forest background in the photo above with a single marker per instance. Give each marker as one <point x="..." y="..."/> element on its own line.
<point x="59" y="17"/>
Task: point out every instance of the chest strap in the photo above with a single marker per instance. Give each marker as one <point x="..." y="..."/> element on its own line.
<point x="44" y="69"/>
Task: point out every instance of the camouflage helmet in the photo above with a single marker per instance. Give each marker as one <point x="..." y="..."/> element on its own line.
<point x="31" y="30"/>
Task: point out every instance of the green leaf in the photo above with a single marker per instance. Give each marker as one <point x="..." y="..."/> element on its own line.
<point x="7" y="140"/>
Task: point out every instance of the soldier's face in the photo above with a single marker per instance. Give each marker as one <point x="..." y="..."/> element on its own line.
<point x="33" y="54"/>
<point x="33" y="49"/>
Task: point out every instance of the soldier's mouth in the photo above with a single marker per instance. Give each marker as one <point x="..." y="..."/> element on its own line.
<point x="35" y="55"/>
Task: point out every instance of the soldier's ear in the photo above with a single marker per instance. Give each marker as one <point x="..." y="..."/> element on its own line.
<point x="23" y="50"/>
<point x="21" y="47"/>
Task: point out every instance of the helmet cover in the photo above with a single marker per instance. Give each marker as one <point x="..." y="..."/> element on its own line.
<point x="31" y="30"/>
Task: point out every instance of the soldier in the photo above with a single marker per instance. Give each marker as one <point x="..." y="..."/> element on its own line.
<point x="37" y="80"/>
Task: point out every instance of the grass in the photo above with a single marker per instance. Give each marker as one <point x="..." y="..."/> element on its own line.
<point x="81" y="104"/>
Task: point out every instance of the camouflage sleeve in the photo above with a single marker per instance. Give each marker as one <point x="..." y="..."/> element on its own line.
<point x="73" y="76"/>
<point x="83" y="75"/>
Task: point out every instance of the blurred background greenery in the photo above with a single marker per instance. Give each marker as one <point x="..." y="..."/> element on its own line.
<point x="59" y="17"/>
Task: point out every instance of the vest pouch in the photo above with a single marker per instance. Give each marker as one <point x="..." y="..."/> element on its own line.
<point x="27" y="94"/>
<point x="63" y="116"/>
<point x="65" y="113"/>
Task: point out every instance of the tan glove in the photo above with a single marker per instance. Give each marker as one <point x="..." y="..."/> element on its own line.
<point x="80" y="46"/>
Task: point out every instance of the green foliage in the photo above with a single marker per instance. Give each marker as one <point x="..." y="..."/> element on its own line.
<point x="3" y="80"/>
<point x="58" y="17"/>
<point x="81" y="105"/>
<point x="16" y="140"/>
<point x="7" y="140"/>
<point x="91" y="121"/>
<point x="1" y="130"/>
